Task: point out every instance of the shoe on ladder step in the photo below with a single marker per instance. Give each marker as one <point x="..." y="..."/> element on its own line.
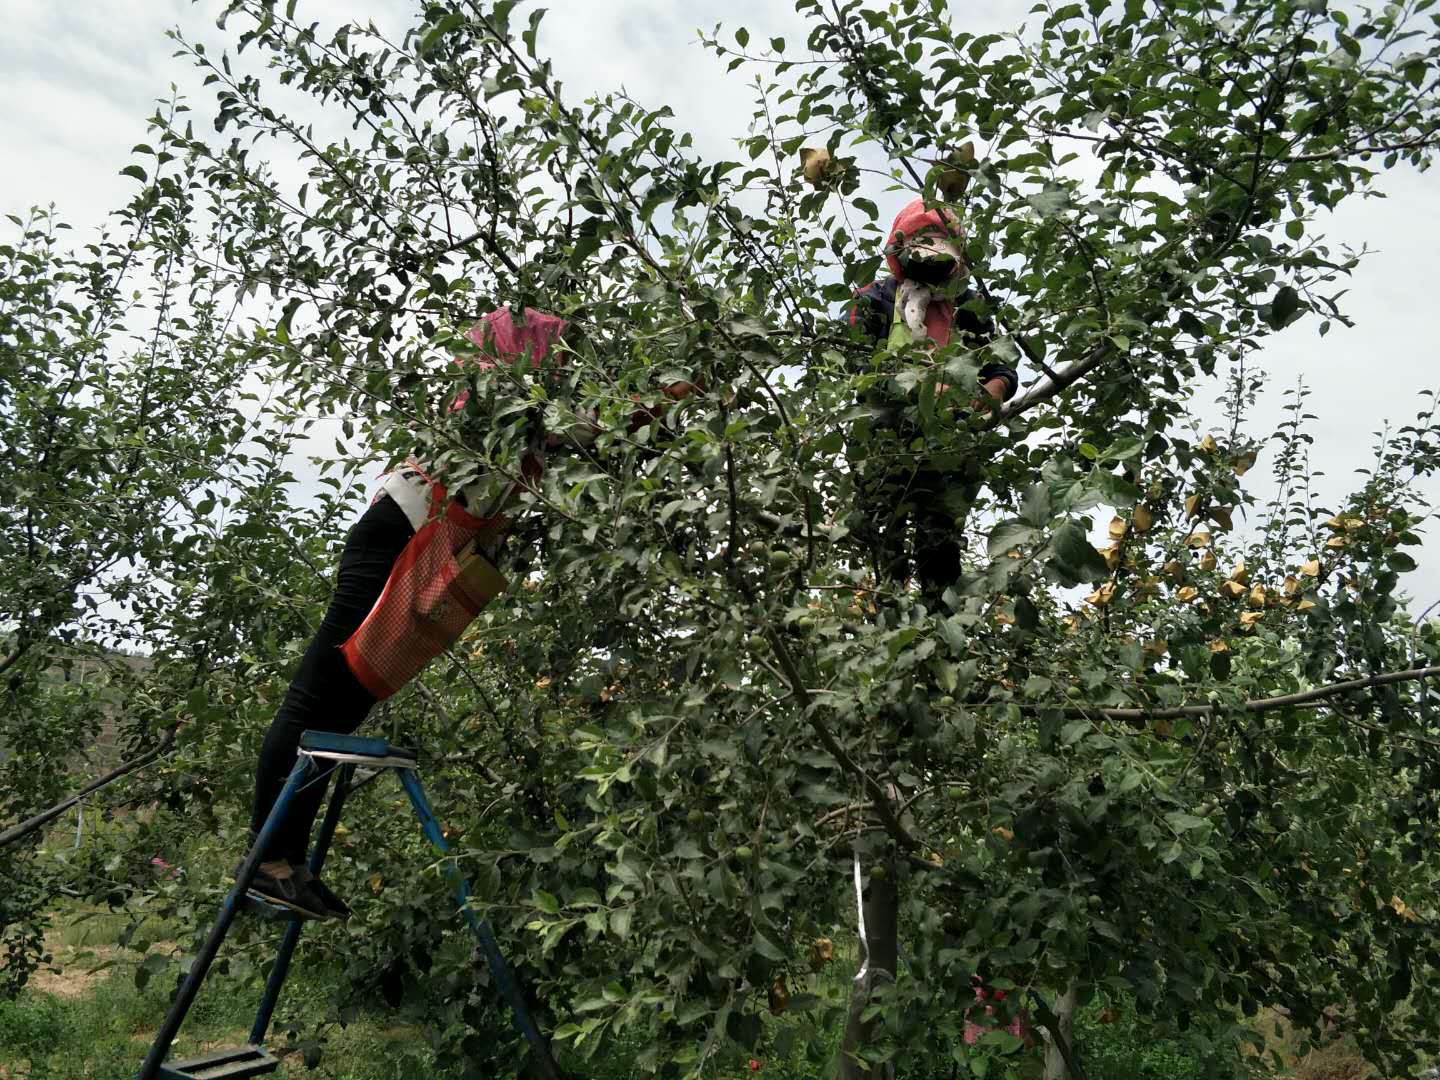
<point x="277" y="891"/>
<point x="333" y="906"/>
<point x="296" y="895"/>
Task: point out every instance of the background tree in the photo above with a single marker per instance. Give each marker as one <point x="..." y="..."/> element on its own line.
<point x="124" y="369"/>
<point x="1119" y="772"/>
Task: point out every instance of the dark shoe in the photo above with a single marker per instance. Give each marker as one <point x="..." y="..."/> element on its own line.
<point x="275" y="883"/>
<point x="335" y="908"/>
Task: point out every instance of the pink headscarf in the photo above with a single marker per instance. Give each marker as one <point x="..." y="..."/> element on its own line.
<point x="497" y="335"/>
<point x="915" y="220"/>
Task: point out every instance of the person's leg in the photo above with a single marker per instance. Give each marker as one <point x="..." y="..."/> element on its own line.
<point x="941" y="507"/>
<point x="883" y="512"/>
<point x="324" y="695"/>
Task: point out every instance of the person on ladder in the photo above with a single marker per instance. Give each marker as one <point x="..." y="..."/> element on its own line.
<point x="414" y="572"/>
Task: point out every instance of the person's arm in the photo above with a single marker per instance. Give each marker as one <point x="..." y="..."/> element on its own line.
<point x="870" y="312"/>
<point x="999" y="379"/>
<point x="586" y="430"/>
<point x="676" y="391"/>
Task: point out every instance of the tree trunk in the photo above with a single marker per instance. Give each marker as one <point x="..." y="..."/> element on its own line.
<point x="1065" y="1004"/>
<point x="882" y="925"/>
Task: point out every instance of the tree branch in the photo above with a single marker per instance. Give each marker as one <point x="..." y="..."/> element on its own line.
<point x="1427" y="139"/>
<point x="15" y="657"/>
<point x="1256" y="705"/>
<point x="28" y="826"/>
<point x="433" y="701"/>
<point x="881" y="798"/>
<point x="1049" y="387"/>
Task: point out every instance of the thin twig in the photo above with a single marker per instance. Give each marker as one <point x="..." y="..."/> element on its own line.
<point x="878" y="794"/>
<point x="29" y="825"/>
<point x="1305" y="697"/>
<point x="768" y="705"/>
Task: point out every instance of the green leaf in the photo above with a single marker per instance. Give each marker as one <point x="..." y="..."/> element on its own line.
<point x="1284" y="307"/>
<point x="1123" y="448"/>
<point x="1027" y="616"/>
<point x="443" y="26"/>
<point x="620" y="920"/>
<point x="136" y="171"/>
<point x="1182" y="822"/>
<point x="688" y="849"/>
<point x="767" y="948"/>
<point x="1074" y="557"/>
<point x="1009" y="534"/>
<point x="1035" y="505"/>
<point x="1116" y="489"/>
<point x="1049" y="203"/>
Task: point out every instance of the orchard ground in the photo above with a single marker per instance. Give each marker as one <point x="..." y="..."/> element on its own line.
<point x="90" y="1013"/>
<point x="85" y="1020"/>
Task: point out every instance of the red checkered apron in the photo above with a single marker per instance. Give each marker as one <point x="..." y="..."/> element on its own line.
<point x="436" y="588"/>
<point x="443" y="577"/>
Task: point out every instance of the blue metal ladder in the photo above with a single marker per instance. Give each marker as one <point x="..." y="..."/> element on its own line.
<point x="345" y="753"/>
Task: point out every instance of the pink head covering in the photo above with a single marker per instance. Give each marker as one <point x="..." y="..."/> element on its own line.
<point x="499" y="337"/>
<point x="917" y="220"/>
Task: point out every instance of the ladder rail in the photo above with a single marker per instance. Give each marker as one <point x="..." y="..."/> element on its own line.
<point x="343" y="753"/>
<point x="504" y="979"/>
<point x="200" y="966"/>
<point x="281" y="969"/>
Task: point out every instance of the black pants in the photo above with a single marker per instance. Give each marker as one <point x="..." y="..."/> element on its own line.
<point x="912" y="519"/>
<point x="324" y="695"/>
<point x="918" y="528"/>
<point x="912" y="499"/>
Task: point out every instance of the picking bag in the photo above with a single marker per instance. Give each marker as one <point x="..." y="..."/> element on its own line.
<point x="437" y="586"/>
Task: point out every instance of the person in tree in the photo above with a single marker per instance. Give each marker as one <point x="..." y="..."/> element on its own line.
<point x="913" y="504"/>
<point x="415" y="570"/>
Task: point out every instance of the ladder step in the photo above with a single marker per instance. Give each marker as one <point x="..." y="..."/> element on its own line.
<point x="232" y="1064"/>
<point x="329" y="742"/>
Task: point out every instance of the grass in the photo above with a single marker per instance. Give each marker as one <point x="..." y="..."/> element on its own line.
<point x="98" y="1028"/>
<point x="80" y="1026"/>
<point x="97" y="1025"/>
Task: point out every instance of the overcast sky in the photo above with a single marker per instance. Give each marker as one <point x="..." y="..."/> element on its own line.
<point x="79" y="79"/>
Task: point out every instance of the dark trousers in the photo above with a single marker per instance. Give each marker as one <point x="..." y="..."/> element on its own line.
<point x="324" y="695"/>
<point x="912" y="521"/>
